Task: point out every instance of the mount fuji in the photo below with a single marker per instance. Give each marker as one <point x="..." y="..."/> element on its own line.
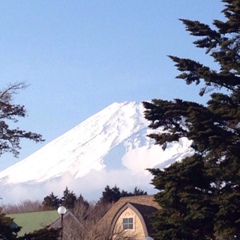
<point x="109" y="148"/>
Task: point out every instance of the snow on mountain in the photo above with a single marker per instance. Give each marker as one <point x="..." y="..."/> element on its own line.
<point x="109" y="148"/>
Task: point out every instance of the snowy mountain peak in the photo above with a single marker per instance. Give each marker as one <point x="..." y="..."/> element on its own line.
<point x="105" y="147"/>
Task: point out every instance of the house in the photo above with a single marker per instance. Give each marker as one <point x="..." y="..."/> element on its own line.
<point x="129" y="218"/>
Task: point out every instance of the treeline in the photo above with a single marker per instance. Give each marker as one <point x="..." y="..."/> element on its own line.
<point x="69" y="199"/>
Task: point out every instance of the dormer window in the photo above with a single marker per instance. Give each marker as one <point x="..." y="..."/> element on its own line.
<point x="127" y="223"/>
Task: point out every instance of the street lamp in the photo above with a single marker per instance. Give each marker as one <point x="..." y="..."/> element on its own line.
<point x="62" y="210"/>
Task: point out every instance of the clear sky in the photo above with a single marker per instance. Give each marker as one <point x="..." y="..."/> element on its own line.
<point x="79" y="56"/>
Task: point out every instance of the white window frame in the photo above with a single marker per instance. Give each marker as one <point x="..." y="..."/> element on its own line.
<point x="126" y="226"/>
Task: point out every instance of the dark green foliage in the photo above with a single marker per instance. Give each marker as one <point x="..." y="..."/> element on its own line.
<point x="42" y="234"/>
<point x="51" y="202"/>
<point x="112" y="195"/>
<point x="200" y="196"/>
<point x="136" y="192"/>
<point x="187" y="209"/>
<point x="8" y="229"/>
<point x="10" y="112"/>
<point x="68" y="199"/>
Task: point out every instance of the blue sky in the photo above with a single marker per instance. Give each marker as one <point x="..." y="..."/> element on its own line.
<point x="80" y="56"/>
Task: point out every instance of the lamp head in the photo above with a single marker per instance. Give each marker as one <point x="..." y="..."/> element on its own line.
<point x="62" y="210"/>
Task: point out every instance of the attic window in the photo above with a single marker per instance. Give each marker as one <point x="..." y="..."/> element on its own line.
<point x="127" y="223"/>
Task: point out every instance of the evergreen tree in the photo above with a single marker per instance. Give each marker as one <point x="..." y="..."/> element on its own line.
<point x="110" y="195"/>
<point x="68" y="199"/>
<point x="42" y="234"/>
<point x="136" y="192"/>
<point x="200" y="196"/>
<point x="51" y="201"/>
<point x="139" y="192"/>
<point x="8" y="230"/>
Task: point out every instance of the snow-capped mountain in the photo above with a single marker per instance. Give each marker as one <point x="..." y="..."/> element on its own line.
<point x="109" y="148"/>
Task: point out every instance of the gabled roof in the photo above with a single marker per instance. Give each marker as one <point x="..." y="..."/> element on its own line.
<point x="143" y="206"/>
<point x="34" y="220"/>
<point x="68" y="214"/>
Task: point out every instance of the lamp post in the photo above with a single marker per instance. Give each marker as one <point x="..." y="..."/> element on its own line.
<point x="62" y="210"/>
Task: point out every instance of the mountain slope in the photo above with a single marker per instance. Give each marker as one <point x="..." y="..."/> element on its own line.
<point x="111" y="141"/>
